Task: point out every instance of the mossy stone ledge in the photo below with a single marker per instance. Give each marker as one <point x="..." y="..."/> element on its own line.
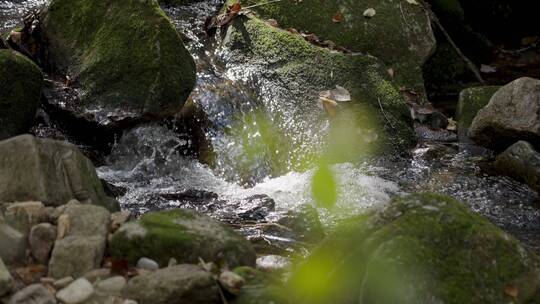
<point x="405" y="50"/>
<point x="182" y="234"/>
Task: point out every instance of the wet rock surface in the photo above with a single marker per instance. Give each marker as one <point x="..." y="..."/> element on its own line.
<point x="522" y="162"/>
<point x="121" y="71"/>
<point x="511" y="115"/>
<point x="20" y="86"/>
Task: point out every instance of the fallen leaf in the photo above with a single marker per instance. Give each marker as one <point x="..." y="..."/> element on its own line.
<point x="391" y="72"/>
<point x="511" y="291"/>
<point x="370" y="13"/>
<point x="273" y="22"/>
<point x="235" y="8"/>
<point x="338" y="17"/>
<point x="452" y="125"/>
<point x="413" y="2"/>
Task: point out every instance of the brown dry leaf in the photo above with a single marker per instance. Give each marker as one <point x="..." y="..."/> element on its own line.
<point x="452" y="124"/>
<point x="338" y="17"/>
<point x="511" y="291"/>
<point x="235" y="8"/>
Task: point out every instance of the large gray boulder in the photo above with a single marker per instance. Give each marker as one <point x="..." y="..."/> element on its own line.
<point x="48" y="171"/>
<point x="125" y="59"/>
<point x="522" y="162"/>
<point x="173" y="285"/>
<point x="83" y="247"/>
<point x="405" y="50"/>
<point x="182" y="234"/>
<point x="20" y="86"/>
<point x="512" y="114"/>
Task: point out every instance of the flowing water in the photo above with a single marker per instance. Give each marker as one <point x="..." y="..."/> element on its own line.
<point x="152" y="170"/>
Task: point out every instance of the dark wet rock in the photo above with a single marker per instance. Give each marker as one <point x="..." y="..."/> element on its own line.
<point x="471" y="101"/>
<point x="459" y="24"/>
<point x="406" y="50"/>
<point x="445" y="73"/>
<point x="304" y="224"/>
<point x="255" y="207"/>
<point x="426" y="248"/>
<point x="41" y="240"/>
<point x="512" y="114"/>
<point x="173" y="285"/>
<point x="522" y="162"/>
<point x="20" y="86"/>
<point x="123" y="70"/>
<point x="48" y="171"/>
<point x="33" y="294"/>
<point x="181" y="234"/>
<point x="6" y="281"/>
<point x="86" y="235"/>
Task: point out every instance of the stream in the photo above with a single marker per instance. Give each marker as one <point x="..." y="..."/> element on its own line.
<point x="153" y="172"/>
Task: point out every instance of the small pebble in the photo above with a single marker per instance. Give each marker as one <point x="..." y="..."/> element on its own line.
<point x="76" y="292"/>
<point x="172" y="262"/>
<point x="147" y="264"/>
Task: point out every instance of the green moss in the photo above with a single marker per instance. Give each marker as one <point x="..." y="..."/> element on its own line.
<point x="181" y="234"/>
<point x="125" y="55"/>
<point x="410" y="44"/>
<point x="471" y="101"/>
<point x="421" y="248"/>
<point x="304" y="70"/>
<point x="20" y="90"/>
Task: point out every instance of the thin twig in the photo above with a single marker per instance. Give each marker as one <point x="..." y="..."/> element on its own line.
<point x="467" y="61"/>
<point x="384" y="114"/>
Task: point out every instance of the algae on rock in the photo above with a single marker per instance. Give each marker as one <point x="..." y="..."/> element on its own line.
<point x="471" y="101"/>
<point x="422" y="248"/>
<point x="290" y="73"/>
<point x="399" y="34"/>
<point x="182" y="234"/>
<point x="125" y="60"/>
<point x="20" y="86"/>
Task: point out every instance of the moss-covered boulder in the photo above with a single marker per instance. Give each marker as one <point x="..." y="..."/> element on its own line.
<point x="471" y="101"/>
<point x="182" y="234"/>
<point x="125" y="60"/>
<point x="423" y="248"/>
<point x="291" y="74"/>
<point x="411" y="41"/>
<point x="20" y="90"/>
